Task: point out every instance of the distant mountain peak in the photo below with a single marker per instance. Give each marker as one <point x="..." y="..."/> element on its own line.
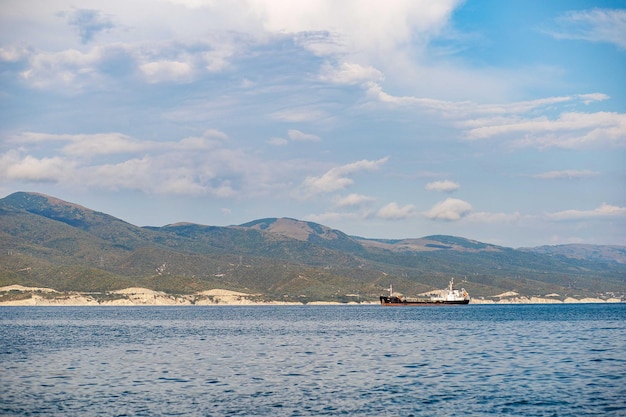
<point x="32" y="201"/>
<point x="430" y="243"/>
<point x="460" y="242"/>
<point x="295" y="229"/>
<point x="181" y="224"/>
<point x="54" y="209"/>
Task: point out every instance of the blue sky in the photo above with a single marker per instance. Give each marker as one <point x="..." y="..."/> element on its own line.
<point x="503" y="122"/>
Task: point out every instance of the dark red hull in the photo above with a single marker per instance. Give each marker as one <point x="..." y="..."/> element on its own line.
<point x="397" y="302"/>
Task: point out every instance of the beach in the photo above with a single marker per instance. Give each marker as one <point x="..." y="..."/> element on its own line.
<point x="18" y="295"/>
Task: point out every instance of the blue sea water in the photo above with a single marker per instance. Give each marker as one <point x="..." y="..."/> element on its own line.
<point x="532" y="360"/>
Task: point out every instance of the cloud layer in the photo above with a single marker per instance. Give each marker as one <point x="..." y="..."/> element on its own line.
<point x="595" y="25"/>
<point x="356" y="113"/>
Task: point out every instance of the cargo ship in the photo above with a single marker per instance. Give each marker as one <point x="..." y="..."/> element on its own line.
<point x="448" y="296"/>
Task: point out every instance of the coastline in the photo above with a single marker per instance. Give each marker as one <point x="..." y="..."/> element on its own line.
<point x="17" y="295"/>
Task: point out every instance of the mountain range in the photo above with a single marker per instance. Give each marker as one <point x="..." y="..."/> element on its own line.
<point x="45" y="241"/>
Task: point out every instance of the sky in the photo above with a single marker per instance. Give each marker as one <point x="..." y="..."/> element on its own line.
<point x="502" y="122"/>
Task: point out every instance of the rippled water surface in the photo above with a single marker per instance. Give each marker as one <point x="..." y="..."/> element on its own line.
<point x="312" y="360"/>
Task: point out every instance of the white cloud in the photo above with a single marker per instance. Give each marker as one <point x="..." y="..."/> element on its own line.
<point x="297" y="115"/>
<point x="349" y="73"/>
<point x="155" y="175"/>
<point x="106" y="144"/>
<point x="94" y="68"/>
<point x="161" y="71"/>
<point x="193" y="144"/>
<point x="13" y="54"/>
<point x="89" y="145"/>
<point x="451" y="209"/>
<point x="202" y="165"/>
<point x="37" y="137"/>
<point x="207" y="164"/>
<point x="393" y="211"/>
<point x="187" y="185"/>
<point x="569" y="130"/>
<point x="70" y="68"/>
<point x="338" y="178"/>
<point x="370" y="27"/>
<point x="215" y="133"/>
<point x="595" y="25"/>
<point x="176" y="173"/>
<point x="295" y="136"/>
<point x="192" y="4"/>
<point x="218" y="58"/>
<point x="184" y="36"/>
<point x="464" y="111"/>
<point x="495" y="218"/>
<point x="299" y="136"/>
<point x="566" y="174"/>
<point x="525" y="106"/>
<point x="331" y="216"/>
<point x="605" y="210"/>
<point x="367" y="24"/>
<point x="134" y="174"/>
<point x="445" y="186"/>
<point x="353" y="200"/>
<point x="590" y="98"/>
<point x="30" y="168"/>
<point x="352" y="32"/>
<point x="278" y="141"/>
<point x="375" y="91"/>
<point x="565" y="122"/>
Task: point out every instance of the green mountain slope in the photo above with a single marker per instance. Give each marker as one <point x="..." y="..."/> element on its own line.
<point x="48" y="242"/>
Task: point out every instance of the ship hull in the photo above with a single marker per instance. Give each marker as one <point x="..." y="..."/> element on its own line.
<point x="396" y="302"/>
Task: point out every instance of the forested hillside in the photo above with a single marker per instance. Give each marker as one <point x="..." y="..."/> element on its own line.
<point x="48" y="242"/>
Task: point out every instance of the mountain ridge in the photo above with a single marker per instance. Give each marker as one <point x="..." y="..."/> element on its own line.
<point x="67" y="246"/>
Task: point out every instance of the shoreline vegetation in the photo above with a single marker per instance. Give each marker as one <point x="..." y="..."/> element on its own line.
<point x="18" y="295"/>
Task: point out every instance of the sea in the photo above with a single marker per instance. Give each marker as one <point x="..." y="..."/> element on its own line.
<point x="477" y="360"/>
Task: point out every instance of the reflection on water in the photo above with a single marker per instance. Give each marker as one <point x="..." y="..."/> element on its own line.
<point x="313" y="360"/>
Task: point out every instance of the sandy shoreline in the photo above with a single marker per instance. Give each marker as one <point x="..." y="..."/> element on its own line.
<point x="17" y="295"/>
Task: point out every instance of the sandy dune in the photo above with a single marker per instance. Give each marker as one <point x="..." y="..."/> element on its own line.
<point x="18" y="295"/>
